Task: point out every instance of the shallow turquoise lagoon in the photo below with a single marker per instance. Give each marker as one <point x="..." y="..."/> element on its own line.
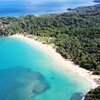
<point x="15" y="53"/>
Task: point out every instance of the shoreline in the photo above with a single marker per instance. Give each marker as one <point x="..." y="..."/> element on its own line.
<point x="58" y="59"/>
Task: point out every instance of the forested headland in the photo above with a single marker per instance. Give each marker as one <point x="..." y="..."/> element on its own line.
<point x="76" y="34"/>
<point x="93" y="94"/>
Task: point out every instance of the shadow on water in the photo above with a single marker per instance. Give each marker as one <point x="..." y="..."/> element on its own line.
<point x="21" y="83"/>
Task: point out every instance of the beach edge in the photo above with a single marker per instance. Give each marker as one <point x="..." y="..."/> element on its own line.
<point x="60" y="60"/>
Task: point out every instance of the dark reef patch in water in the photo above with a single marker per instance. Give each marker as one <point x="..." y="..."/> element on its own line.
<point x="77" y="96"/>
<point x="21" y="84"/>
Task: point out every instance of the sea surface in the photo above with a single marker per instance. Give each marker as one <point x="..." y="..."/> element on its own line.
<point x="37" y="7"/>
<point x="18" y="63"/>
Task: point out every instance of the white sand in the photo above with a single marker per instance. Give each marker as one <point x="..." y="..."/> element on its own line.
<point x="61" y="61"/>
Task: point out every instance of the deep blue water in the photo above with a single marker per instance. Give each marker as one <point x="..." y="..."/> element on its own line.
<point x="19" y="83"/>
<point x="36" y="7"/>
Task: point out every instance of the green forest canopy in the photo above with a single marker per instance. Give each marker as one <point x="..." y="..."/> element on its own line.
<point x="76" y="33"/>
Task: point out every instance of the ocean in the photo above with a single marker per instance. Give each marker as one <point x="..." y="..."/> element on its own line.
<point x="37" y="7"/>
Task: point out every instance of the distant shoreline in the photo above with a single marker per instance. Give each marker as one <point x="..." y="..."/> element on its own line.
<point x="38" y="13"/>
<point x="61" y="61"/>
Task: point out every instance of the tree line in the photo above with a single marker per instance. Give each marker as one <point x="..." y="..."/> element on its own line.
<point x="76" y="35"/>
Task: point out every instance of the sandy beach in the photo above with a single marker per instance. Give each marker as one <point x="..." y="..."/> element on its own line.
<point x="93" y="79"/>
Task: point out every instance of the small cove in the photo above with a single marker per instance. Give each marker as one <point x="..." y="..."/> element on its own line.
<point x="16" y="53"/>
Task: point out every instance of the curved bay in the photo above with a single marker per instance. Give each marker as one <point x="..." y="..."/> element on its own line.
<point x="36" y="68"/>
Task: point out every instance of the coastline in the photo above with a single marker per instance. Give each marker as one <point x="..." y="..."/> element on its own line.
<point x="58" y="59"/>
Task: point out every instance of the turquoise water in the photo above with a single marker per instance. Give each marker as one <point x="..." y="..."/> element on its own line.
<point x="16" y="53"/>
<point x="23" y="7"/>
